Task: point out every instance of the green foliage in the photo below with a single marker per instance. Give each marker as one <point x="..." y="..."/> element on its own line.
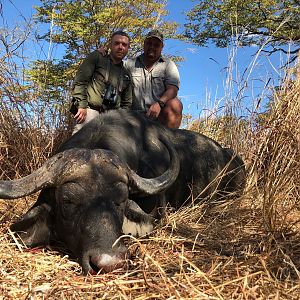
<point x="50" y="76"/>
<point x="247" y="22"/>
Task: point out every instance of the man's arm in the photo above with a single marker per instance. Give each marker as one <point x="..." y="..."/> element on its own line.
<point x="172" y="82"/>
<point x="82" y="79"/>
<point x="155" y="109"/>
<point x="170" y="93"/>
<point x="126" y="97"/>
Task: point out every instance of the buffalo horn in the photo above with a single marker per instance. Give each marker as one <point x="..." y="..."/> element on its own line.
<point x="46" y="176"/>
<point x="152" y="186"/>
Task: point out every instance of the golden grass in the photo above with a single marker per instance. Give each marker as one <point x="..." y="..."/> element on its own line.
<point x="248" y="248"/>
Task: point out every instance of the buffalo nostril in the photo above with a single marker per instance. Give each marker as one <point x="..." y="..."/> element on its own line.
<point x="93" y="271"/>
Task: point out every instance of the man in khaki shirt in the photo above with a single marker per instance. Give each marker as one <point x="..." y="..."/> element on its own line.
<point x="156" y="82"/>
<point x="102" y="82"/>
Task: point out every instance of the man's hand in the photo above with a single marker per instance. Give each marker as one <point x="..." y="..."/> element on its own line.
<point x="102" y="50"/>
<point x="153" y="111"/>
<point x="81" y="115"/>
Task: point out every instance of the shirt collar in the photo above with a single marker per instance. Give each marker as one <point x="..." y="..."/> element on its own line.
<point x="119" y="64"/>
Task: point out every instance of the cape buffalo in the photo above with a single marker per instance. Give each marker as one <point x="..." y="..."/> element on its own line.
<point x="116" y="175"/>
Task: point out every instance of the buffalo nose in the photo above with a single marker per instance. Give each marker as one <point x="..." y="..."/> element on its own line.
<point x="107" y="262"/>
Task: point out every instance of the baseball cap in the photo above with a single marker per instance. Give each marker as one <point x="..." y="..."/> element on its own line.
<point x="155" y="33"/>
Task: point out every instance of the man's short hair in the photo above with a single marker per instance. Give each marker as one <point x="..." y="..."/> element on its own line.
<point x="120" y="32"/>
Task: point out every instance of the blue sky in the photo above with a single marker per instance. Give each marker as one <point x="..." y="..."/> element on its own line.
<point x="205" y="70"/>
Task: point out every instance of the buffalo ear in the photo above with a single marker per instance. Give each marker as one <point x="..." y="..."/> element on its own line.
<point x="34" y="228"/>
<point x="136" y="221"/>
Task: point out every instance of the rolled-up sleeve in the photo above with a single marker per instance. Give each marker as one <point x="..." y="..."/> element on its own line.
<point x="172" y="74"/>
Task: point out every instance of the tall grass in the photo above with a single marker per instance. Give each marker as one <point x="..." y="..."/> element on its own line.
<point x="26" y="140"/>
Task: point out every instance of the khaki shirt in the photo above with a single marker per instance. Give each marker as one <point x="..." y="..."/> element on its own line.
<point x="149" y="86"/>
<point x="90" y="82"/>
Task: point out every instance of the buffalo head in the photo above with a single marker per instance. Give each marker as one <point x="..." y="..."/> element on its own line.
<point x="85" y="200"/>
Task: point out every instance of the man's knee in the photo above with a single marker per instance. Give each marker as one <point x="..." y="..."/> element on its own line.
<point x="174" y="105"/>
<point x="171" y="115"/>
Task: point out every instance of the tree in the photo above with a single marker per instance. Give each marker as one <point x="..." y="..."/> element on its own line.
<point x="81" y="25"/>
<point x="270" y="22"/>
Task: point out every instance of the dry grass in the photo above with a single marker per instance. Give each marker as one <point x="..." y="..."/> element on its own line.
<point x="240" y="249"/>
<point x="198" y="253"/>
